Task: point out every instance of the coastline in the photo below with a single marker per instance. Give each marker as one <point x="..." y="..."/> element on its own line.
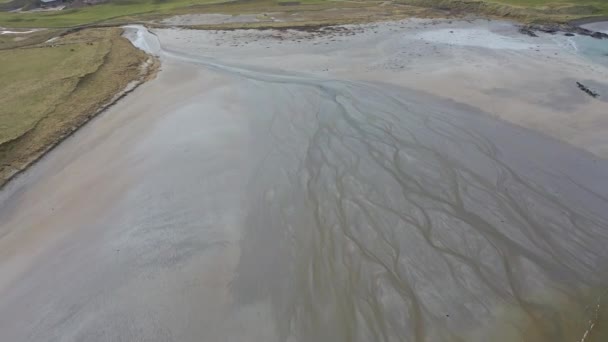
<point x="283" y="28"/>
<point x="487" y="64"/>
<point x="318" y="30"/>
<point x="151" y="68"/>
<point x="265" y="179"/>
<point x="17" y="158"/>
<point x="589" y="20"/>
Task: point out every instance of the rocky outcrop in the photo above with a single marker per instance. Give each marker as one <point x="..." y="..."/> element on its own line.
<point x="587" y="90"/>
<point x="569" y="29"/>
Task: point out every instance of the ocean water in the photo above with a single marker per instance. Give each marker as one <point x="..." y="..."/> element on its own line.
<point x="595" y="49"/>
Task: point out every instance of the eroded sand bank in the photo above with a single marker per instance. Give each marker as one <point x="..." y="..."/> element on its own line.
<point x="358" y="190"/>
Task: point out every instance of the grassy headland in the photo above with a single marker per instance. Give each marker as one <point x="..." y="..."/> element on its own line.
<point x="49" y="89"/>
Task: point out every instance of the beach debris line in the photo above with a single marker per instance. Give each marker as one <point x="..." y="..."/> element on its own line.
<point x="587" y="90"/>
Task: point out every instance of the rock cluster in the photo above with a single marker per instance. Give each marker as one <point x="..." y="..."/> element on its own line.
<point x="568" y="29"/>
<point x="586" y="90"/>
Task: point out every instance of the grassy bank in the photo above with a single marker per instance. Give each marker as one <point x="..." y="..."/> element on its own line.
<point x="49" y="89"/>
<point x="95" y="14"/>
<point x="523" y="10"/>
<point x="122" y="11"/>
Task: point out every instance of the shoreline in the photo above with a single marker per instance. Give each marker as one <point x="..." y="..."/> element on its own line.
<point x="73" y="129"/>
<point x="273" y="15"/>
<point x="438" y="61"/>
<point x="22" y="161"/>
<point x="321" y="29"/>
<point x="265" y="179"/>
<point x="151" y="70"/>
<point x="574" y="26"/>
<point x="589" y="20"/>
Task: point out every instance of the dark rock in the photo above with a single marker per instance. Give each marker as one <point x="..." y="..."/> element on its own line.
<point x="568" y="29"/>
<point x="599" y="35"/>
<point x="527" y="31"/>
<point x="569" y="34"/>
<point x="586" y="90"/>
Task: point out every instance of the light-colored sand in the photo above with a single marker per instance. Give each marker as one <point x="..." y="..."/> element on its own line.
<point x="213" y="19"/>
<point x="599" y="26"/>
<point x="489" y="65"/>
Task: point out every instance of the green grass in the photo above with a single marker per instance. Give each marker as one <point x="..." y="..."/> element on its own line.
<point x="546" y="2"/>
<point x="523" y="10"/>
<point x="120" y="11"/>
<point x="48" y="90"/>
<point x="601" y="5"/>
<point x="33" y="80"/>
<point x="95" y="14"/>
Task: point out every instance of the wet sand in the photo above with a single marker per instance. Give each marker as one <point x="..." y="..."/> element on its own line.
<point x="601" y="26"/>
<point x="486" y="64"/>
<point x="318" y="192"/>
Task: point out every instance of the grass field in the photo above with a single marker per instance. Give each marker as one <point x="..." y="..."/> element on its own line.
<point x="94" y="14"/>
<point x="524" y="10"/>
<point x="47" y="90"/>
<point x="119" y="11"/>
<point x="600" y="5"/>
<point x="33" y="82"/>
<point x="111" y="11"/>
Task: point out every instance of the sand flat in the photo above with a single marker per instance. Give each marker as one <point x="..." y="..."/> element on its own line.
<point x="286" y="189"/>
<point x="490" y="65"/>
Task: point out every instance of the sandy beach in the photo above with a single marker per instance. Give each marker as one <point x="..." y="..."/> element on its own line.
<point x="417" y="180"/>
<point x="489" y="65"/>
